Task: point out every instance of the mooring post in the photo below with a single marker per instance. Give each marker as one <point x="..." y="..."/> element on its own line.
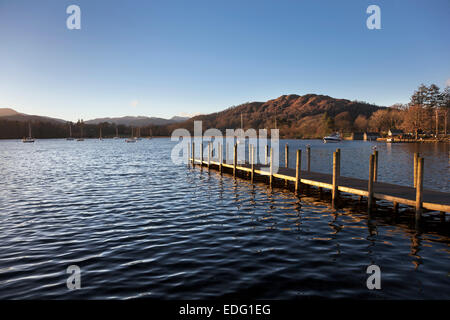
<point x="201" y="155"/>
<point x="416" y="157"/>
<point x="193" y="154"/>
<point x="395" y="206"/>
<point x="370" y="185"/>
<point x="220" y="158"/>
<point x="286" y="162"/>
<point x="334" y="191"/>
<point x="234" y="159"/>
<point x="297" y="171"/>
<point x="271" y="168"/>
<point x="253" y="160"/>
<point x="308" y="154"/>
<point x="209" y="155"/>
<point x="266" y="151"/>
<point x="375" y="173"/>
<point x="419" y="188"/>
<point x="188" y="154"/>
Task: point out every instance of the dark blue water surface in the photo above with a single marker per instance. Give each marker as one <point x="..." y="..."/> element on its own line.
<point x="139" y="226"/>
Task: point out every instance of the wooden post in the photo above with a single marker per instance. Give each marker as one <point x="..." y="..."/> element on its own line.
<point x="271" y="168"/>
<point x="220" y="157"/>
<point x="298" y="171"/>
<point x="416" y="157"/>
<point x="188" y="154"/>
<point x="252" y="157"/>
<point x="193" y="154"/>
<point x="370" y="186"/>
<point x="286" y="156"/>
<point x="334" y="191"/>
<point x="234" y="159"/>
<point x="209" y="155"/>
<point x="266" y="151"/>
<point x="395" y="206"/>
<point x="286" y="162"/>
<point x="419" y="188"/>
<point x="308" y="154"/>
<point x="201" y="155"/>
<point x="375" y="173"/>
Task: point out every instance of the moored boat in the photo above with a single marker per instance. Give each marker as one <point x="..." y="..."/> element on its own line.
<point x="334" y="137"/>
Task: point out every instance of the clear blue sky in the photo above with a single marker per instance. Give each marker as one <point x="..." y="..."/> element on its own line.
<point x="164" y="58"/>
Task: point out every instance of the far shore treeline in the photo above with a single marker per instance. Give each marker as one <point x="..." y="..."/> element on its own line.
<point x="308" y="116"/>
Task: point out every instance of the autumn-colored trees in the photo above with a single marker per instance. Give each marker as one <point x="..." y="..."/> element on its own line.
<point x="427" y="112"/>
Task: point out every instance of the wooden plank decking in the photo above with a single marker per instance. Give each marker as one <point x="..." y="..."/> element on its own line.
<point x="432" y="200"/>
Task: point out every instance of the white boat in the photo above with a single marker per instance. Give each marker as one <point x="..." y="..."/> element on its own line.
<point x="131" y="140"/>
<point x="28" y="139"/>
<point x="334" y="137"/>
<point x="117" y="133"/>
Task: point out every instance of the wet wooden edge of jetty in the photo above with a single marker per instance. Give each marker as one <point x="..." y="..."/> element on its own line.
<point x="416" y="196"/>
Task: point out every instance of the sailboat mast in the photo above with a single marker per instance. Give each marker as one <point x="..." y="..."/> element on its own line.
<point x="29" y="130"/>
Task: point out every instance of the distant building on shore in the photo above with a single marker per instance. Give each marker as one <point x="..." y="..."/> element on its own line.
<point x="356" y="136"/>
<point x="395" y="133"/>
<point x="371" y="136"/>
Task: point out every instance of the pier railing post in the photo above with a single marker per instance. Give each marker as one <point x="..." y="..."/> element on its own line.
<point x="193" y="154"/>
<point x="201" y="155"/>
<point x="252" y="157"/>
<point x="419" y="188"/>
<point x="370" y="183"/>
<point x="234" y="159"/>
<point x="286" y="161"/>
<point x="375" y="173"/>
<point x="220" y="157"/>
<point x="271" y="168"/>
<point x="188" y="154"/>
<point x="334" y="191"/>
<point x="266" y="152"/>
<point x="297" y="171"/>
<point x="416" y="157"/>
<point x="308" y="159"/>
<point x="209" y="155"/>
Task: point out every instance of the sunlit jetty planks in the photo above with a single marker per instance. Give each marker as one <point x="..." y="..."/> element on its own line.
<point x="416" y="197"/>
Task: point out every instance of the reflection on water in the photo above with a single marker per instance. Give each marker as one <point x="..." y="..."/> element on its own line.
<point x="139" y="226"/>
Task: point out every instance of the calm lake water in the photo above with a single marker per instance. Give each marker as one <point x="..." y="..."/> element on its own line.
<point x="139" y="226"/>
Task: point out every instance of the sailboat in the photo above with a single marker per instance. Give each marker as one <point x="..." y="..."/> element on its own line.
<point x="131" y="140"/>
<point x="138" y="136"/>
<point x="70" y="133"/>
<point x="81" y="134"/>
<point x="100" y="136"/>
<point x="117" y="133"/>
<point x="29" y="139"/>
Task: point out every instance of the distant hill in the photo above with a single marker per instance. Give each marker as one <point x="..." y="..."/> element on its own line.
<point x="12" y="115"/>
<point x="296" y="116"/>
<point x="140" y="121"/>
<point x="7" y="112"/>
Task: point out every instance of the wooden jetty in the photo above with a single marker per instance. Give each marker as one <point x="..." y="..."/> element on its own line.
<point x="372" y="189"/>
